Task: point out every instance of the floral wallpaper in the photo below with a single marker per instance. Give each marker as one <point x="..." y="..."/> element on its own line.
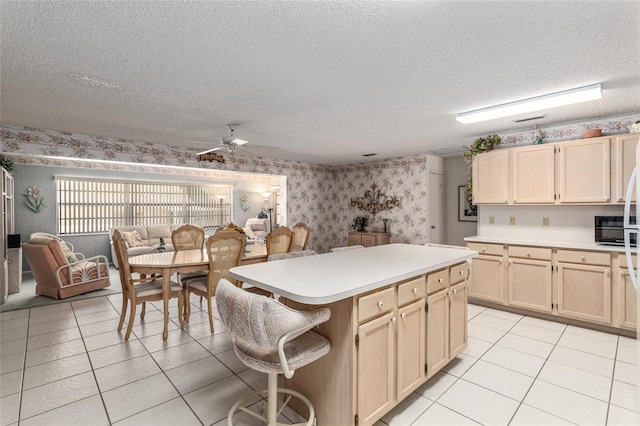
<point x="317" y="195"/>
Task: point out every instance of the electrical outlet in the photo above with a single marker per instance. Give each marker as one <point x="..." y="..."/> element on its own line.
<point x="492" y="220"/>
<point x="512" y="220"/>
<point x="545" y="221"/>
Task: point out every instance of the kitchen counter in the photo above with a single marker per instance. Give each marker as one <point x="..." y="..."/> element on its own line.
<point x="550" y="244"/>
<point x="330" y="277"/>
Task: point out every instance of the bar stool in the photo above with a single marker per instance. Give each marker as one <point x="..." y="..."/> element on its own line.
<point x="271" y="338"/>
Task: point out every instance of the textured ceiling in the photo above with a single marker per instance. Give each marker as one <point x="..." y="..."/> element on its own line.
<point x="324" y="81"/>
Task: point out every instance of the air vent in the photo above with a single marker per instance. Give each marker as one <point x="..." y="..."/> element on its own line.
<point x="521" y="120"/>
<point x="368" y="155"/>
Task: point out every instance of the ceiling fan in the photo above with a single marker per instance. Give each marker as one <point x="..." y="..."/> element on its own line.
<point x="230" y="143"/>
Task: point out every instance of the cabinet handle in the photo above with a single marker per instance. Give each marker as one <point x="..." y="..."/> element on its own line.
<point x="455" y="291"/>
<point x="608" y="272"/>
<point x="484" y="249"/>
<point x="462" y="272"/>
<point x="440" y="280"/>
<point x="394" y="320"/>
<point x="619" y="198"/>
<point x="415" y="291"/>
<point x="511" y="262"/>
<point x="622" y="274"/>
<point x="380" y="304"/>
<point x="403" y="315"/>
<point x="528" y="254"/>
<point x="582" y="258"/>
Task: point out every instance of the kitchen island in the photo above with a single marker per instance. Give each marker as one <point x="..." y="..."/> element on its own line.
<point x="398" y="315"/>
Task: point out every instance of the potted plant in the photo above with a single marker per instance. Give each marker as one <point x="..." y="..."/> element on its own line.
<point x="478" y="146"/>
<point x="359" y="223"/>
<point x="6" y="163"/>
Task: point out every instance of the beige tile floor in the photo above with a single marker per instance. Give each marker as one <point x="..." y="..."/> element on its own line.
<point x="65" y="364"/>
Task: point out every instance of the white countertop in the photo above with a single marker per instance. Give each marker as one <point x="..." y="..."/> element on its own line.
<point x="552" y="244"/>
<point x="330" y="277"/>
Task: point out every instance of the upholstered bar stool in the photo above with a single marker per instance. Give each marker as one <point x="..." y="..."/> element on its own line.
<point x="272" y="338"/>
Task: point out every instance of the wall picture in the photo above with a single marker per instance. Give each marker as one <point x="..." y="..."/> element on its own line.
<point x="466" y="213"/>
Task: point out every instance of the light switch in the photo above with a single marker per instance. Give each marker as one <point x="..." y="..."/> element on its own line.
<point x="492" y="220"/>
<point x="512" y="220"/>
<point x="545" y="221"/>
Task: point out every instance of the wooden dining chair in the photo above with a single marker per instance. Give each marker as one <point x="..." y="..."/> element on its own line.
<point x="279" y="240"/>
<point x="188" y="237"/>
<point x="140" y="290"/>
<point x="300" y="236"/>
<point x="225" y="249"/>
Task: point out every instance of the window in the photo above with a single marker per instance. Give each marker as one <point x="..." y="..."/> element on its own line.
<point x="87" y="206"/>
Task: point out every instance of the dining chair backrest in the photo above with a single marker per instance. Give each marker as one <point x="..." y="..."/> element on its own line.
<point x="188" y="237"/>
<point x="279" y="240"/>
<point x="120" y="247"/>
<point x="225" y="250"/>
<point x="300" y="236"/>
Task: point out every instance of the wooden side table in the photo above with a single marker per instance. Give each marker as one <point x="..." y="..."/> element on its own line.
<point x="369" y="239"/>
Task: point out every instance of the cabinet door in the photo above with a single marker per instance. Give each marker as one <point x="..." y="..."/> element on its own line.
<point x="437" y="331"/>
<point x="411" y="347"/>
<point x="624" y="160"/>
<point x="486" y="278"/>
<point x="491" y="177"/>
<point x="457" y="319"/>
<point x="628" y="302"/>
<point x="376" y="368"/>
<point x="529" y="284"/>
<point x="355" y="239"/>
<point x="369" y="240"/>
<point x="533" y="174"/>
<point x="584" y="171"/>
<point x="584" y="292"/>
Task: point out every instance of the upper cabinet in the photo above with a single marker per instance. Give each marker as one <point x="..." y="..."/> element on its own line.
<point x="533" y="174"/>
<point x="587" y="171"/>
<point x="584" y="171"/>
<point x="623" y="160"/>
<point x="491" y="177"/>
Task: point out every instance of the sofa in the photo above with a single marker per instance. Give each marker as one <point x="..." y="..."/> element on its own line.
<point x="59" y="273"/>
<point x="148" y="241"/>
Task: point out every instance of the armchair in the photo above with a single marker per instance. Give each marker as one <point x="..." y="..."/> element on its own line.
<point x="58" y="278"/>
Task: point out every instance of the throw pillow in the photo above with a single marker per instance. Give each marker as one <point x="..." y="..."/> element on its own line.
<point x="258" y="227"/>
<point x="132" y="239"/>
<point x="71" y="258"/>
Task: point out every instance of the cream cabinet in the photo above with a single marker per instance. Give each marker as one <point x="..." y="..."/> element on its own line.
<point x="584" y="171"/>
<point x="628" y="302"/>
<point x="584" y="285"/>
<point x="487" y="276"/>
<point x="410" y="351"/>
<point x="533" y="176"/>
<point x="529" y="278"/>
<point x="448" y="307"/>
<point x="623" y="154"/>
<point x="490" y="177"/>
<point x="369" y="239"/>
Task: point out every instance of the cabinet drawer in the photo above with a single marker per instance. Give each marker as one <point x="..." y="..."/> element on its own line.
<point x="376" y="304"/>
<point x="459" y="273"/>
<point x="623" y="260"/>
<point x="437" y="280"/>
<point x="369" y="240"/>
<point x="587" y="257"/>
<point x="494" y="249"/>
<point x="412" y="290"/>
<point x="530" y="252"/>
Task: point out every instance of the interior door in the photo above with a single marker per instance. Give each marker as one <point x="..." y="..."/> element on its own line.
<point x="436" y="208"/>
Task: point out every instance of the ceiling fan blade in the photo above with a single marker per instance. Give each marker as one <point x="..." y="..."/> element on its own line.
<point x="228" y="140"/>
<point x="210" y="150"/>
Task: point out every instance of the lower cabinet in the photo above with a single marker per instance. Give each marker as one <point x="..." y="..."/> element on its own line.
<point x="369" y="239"/>
<point x="628" y="295"/>
<point x="584" y="289"/>
<point x="487" y="278"/>
<point x="529" y="278"/>
<point x="399" y="345"/>
<point x="446" y="326"/>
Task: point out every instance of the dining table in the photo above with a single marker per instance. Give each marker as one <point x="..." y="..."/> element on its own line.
<point x="169" y="262"/>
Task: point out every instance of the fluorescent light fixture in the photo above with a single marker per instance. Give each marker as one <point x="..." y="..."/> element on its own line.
<point x="567" y="97"/>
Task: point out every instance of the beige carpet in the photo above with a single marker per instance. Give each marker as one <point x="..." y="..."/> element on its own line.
<point x="27" y="297"/>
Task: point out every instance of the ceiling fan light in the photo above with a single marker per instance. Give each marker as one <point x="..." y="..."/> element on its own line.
<point x="552" y="100"/>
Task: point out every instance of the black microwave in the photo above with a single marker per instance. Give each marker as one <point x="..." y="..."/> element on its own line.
<point x="609" y="230"/>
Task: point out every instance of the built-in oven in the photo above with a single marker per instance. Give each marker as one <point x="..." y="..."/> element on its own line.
<point x="609" y="230"/>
